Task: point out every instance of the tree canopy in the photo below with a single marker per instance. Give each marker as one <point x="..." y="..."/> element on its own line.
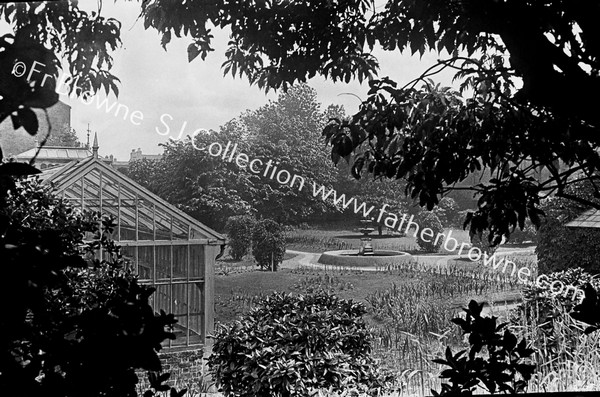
<point x="525" y="65"/>
<point x="212" y="189"/>
<point x="44" y="33"/>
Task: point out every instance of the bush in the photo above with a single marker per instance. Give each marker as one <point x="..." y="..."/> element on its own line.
<point x="72" y="327"/>
<point x="561" y="248"/>
<point x="268" y="244"/>
<point x="528" y="234"/>
<point x="431" y="221"/>
<point x="239" y="232"/>
<point x="495" y="361"/>
<point x="482" y="242"/>
<point x="448" y="212"/>
<point x="293" y="345"/>
<point x="546" y="311"/>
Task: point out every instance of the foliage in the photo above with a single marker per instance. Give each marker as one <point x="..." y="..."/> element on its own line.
<point x="293" y="345"/>
<point x="481" y="242"/>
<point x="213" y="188"/>
<point x="429" y="220"/>
<point x="74" y="326"/>
<point x="505" y="369"/>
<point x="587" y="311"/>
<point x="527" y="234"/>
<point x="561" y="248"/>
<point x="239" y="234"/>
<point x="268" y="244"/>
<point x="64" y="137"/>
<point x="43" y="33"/>
<point x="274" y="133"/>
<point x="206" y="187"/>
<point x="505" y="53"/>
<point x="146" y="172"/>
<point x="447" y="212"/>
<point x="545" y="307"/>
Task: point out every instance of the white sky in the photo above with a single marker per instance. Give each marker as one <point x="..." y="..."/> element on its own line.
<point x="155" y="82"/>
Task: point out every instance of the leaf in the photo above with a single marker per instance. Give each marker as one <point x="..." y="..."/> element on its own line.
<point x="18" y="169"/>
<point x="193" y="51"/>
<point x="45" y="98"/>
<point x="28" y="120"/>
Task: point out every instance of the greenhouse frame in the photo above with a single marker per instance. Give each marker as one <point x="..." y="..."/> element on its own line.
<point x="166" y="248"/>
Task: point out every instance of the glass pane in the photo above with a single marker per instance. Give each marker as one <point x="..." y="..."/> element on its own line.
<point x="145" y="222"/>
<point x="163" y="263"/>
<point x="129" y="260"/>
<point x="196" y="261"/>
<point x="195" y="329"/>
<point x="197" y="234"/>
<point x="180" y="230"/>
<point x="180" y="331"/>
<point x="146" y="262"/>
<point x="180" y="258"/>
<point x="162" y="298"/>
<point x="163" y="225"/>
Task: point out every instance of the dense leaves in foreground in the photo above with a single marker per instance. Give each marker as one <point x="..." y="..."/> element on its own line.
<point x="292" y="345"/>
<point x="72" y="325"/>
<point x="506" y="367"/>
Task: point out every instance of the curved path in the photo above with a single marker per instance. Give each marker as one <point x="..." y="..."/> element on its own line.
<point x="310" y="259"/>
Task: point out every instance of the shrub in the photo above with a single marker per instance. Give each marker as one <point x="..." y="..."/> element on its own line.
<point x="72" y="327"/>
<point x="239" y="231"/>
<point x="529" y="233"/>
<point x="448" y="212"/>
<point x="431" y="221"/>
<point x="561" y="248"/>
<point x="482" y="242"/>
<point x="506" y="368"/>
<point x="293" y="345"/>
<point x="268" y="244"/>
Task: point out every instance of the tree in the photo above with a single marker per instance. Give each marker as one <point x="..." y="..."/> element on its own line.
<point x="212" y="188"/>
<point x="447" y="212"/>
<point x="206" y="187"/>
<point x="276" y="131"/>
<point x="429" y="220"/>
<point x="525" y="61"/>
<point x="66" y="137"/>
<point x="239" y="233"/>
<point x="268" y="244"/>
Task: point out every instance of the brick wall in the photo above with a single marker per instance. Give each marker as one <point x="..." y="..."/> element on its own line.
<point x="187" y="369"/>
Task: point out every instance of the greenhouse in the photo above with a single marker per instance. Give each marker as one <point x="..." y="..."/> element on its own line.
<point x="167" y="248"/>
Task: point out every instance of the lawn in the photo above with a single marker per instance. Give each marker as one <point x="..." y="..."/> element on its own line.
<point x="409" y="309"/>
<point x="236" y="291"/>
<point x="409" y="312"/>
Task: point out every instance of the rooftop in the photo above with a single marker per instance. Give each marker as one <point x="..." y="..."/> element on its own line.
<point x="589" y="219"/>
<point x="56" y="153"/>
